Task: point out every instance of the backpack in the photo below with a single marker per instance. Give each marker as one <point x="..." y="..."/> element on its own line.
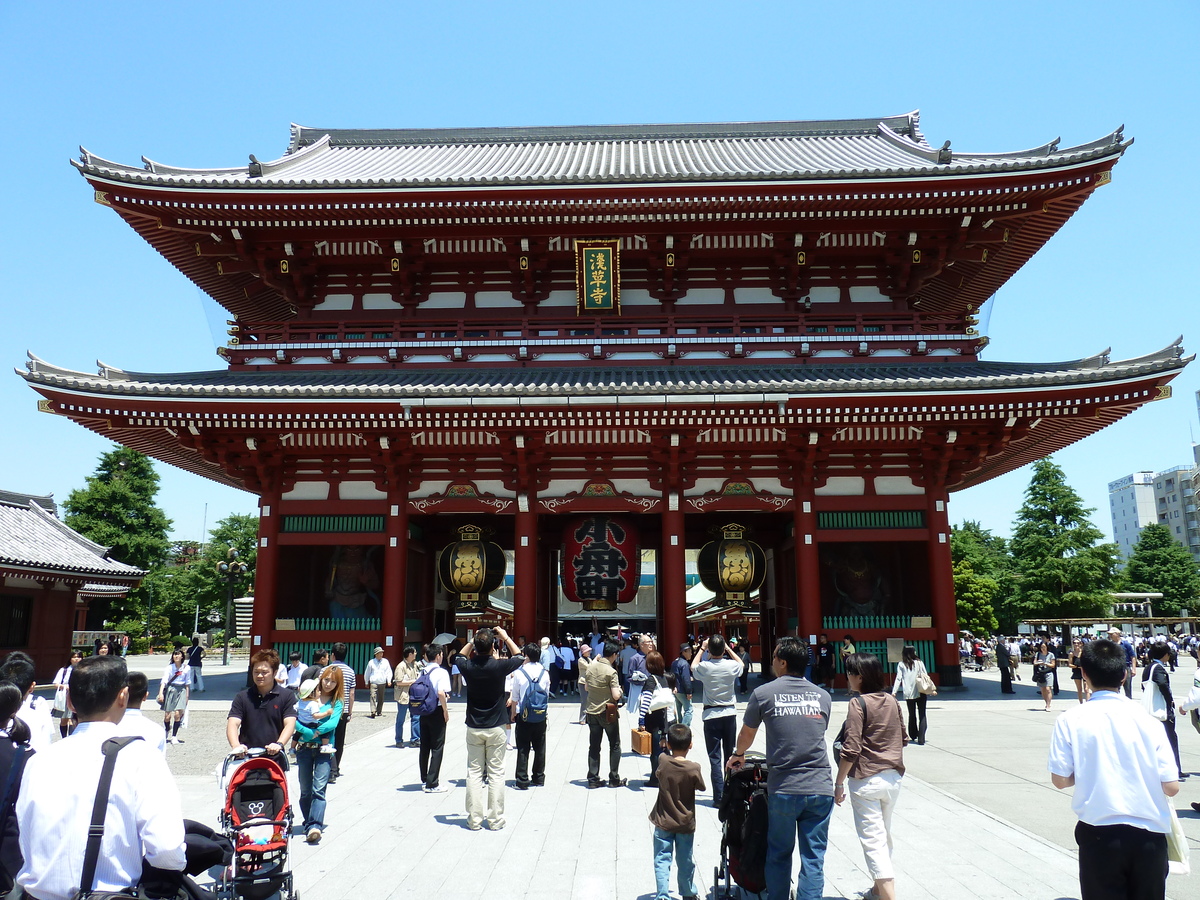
<point x="422" y="696"/>
<point x="535" y="700"/>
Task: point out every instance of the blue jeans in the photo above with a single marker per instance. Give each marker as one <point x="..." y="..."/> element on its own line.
<point x="664" y="841"/>
<point x="792" y="818"/>
<point x="683" y="709"/>
<point x="313" y="768"/>
<point x="402" y="710"/>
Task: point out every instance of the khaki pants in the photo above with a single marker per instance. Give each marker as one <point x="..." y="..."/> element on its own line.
<point x="485" y="751"/>
<point x="378" y="694"/>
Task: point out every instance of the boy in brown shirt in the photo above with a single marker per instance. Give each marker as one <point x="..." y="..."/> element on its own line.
<point x="674" y="814"/>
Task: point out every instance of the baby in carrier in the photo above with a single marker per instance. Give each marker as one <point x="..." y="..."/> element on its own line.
<point x="310" y="711"/>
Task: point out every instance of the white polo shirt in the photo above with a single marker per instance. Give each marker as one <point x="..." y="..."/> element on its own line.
<point x="1120" y="758"/>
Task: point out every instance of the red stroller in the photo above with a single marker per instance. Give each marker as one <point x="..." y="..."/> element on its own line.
<point x="257" y="818"/>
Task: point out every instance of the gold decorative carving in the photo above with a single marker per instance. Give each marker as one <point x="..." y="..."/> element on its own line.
<point x="1164" y="392"/>
<point x="101" y="197"/>
<point x="46" y="406"/>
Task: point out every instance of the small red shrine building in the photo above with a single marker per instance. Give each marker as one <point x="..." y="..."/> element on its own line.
<point x="48" y="575"/>
<point x="680" y="326"/>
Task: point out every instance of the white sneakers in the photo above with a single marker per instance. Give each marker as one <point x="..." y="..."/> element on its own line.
<point x="440" y="789"/>
<point x="314" y="835"/>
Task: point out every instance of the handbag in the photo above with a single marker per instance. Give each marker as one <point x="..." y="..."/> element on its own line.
<point x="611" y="712"/>
<point x="925" y="684"/>
<point x="1153" y="700"/>
<point x="1177" y="848"/>
<point x="91" y="855"/>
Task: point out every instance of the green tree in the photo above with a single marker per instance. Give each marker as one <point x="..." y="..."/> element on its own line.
<point x="974" y="594"/>
<point x="1160" y="563"/>
<point x="1062" y="569"/>
<point x="116" y="509"/>
<point x="193" y="584"/>
<point x="988" y="556"/>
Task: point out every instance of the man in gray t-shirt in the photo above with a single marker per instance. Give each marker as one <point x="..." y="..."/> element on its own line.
<point x="799" y="784"/>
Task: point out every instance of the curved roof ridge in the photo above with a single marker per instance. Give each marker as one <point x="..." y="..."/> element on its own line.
<point x="294" y="157"/>
<point x="302" y="135"/>
<point x="1173" y="351"/>
<point x="158" y="168"/>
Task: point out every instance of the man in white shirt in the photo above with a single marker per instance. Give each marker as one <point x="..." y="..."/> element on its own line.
<point x="379" y="676"/>
<point x="133" y="722"/>
<point x="54" y="807"/>
<point x="1117" y="758"/>
<point x="530" y="734"/>
<point x="717" y="667"/>
<point x="35" y="711"/>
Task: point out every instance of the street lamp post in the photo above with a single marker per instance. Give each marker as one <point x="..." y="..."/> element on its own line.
<point x="231" y="571"/>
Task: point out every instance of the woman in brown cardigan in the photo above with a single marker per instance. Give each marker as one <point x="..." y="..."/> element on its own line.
<point x="872" y="761"/>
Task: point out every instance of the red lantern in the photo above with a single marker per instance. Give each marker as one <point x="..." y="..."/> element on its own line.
<point x="601" y="562"/>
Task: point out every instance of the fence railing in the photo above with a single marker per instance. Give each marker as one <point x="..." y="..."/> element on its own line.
<point x="850" y="623"/>
<point x="331" y="624"/>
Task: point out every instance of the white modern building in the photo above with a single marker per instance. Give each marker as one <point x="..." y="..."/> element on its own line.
<point x="1131" y="507"/>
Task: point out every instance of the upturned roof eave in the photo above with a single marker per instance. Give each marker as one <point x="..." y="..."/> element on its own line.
<point x="674" y="381"/>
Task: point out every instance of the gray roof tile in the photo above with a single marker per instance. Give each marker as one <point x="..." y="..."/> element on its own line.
<point x="722" y="152"/>
<point x="530" y="384"/>
<point x="32" y="538"/>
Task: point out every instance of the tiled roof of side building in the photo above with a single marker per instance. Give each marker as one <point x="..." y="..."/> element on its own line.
<point x="607" y="154"/>
<point x="631" y="381"/>
<point x="32" y="538"/>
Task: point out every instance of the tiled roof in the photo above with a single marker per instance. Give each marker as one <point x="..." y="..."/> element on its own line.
<point x="653" y="154"/>
<point x="32" y="538"/>
<point x="531" y="384"/>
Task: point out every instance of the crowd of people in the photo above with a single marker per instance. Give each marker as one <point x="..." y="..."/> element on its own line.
<point x="297" y="714"/>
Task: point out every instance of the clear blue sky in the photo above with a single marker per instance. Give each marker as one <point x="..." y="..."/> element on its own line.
<point x="208" y="84"/>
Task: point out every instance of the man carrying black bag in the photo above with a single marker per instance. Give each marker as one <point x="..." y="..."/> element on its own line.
<point x="143" y="828"/>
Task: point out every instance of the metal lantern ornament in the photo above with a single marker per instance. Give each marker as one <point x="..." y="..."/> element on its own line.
<point x="601" y="562"/>
<point x="471" y="568"/>
<point x="733" y="567"/>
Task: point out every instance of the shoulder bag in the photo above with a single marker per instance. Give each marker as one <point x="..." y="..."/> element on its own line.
<point x="925" y="684"/>
<point x="91" y="855"/>
<point x="1153" y="700"/>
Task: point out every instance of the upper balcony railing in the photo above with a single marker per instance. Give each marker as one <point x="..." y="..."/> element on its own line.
<point x="558" y="340"/>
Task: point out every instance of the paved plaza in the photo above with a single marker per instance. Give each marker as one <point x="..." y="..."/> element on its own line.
<point x="977" y="817"/>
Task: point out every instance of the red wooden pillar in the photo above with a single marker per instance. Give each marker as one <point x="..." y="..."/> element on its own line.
<point x="808" y="568"/>
<point x="941" y="586"/>
<point x="266" y="570"/>
<point x="672" y="577"/>
<point x="525" y="574"/>
<point x="395" y="572"/>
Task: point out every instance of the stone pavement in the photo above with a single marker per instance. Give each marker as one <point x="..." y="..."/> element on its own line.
<point x="977" y="816"/>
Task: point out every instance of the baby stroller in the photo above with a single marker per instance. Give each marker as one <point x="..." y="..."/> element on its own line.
<point x="257" y="818"/>
<point x="743" y="816"/>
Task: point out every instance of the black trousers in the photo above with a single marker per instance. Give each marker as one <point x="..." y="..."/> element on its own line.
<point x="1006" y="679"/>
<point x="720" y="737"/>
<point x="1120" y="862"/>
<point x="203" y="849"/>
<point x="597" y="729"/>
<point x="339" y="744"/>
<point x="531" y="736"/>
<point x="433" y="740"/>
<point x="1173" y="738"/>
<point x="917" y="723"/>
